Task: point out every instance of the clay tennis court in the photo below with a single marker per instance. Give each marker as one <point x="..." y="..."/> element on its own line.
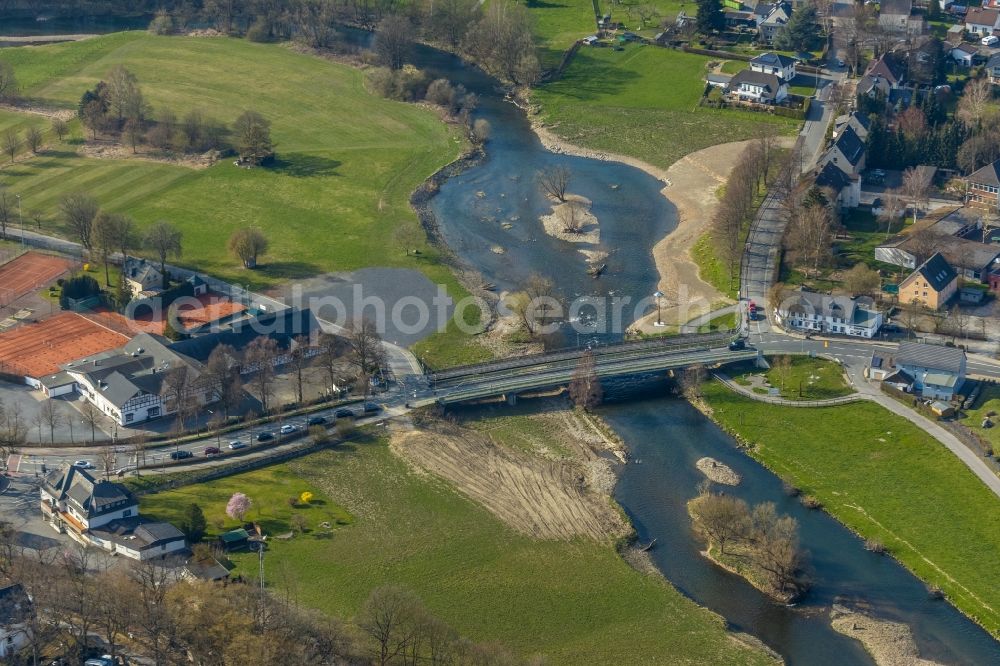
<point x="28" y="273"/>
<point x="38" y="349"/>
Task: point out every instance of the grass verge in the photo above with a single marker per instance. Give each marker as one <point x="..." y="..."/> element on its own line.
<point x="887" y="480"/>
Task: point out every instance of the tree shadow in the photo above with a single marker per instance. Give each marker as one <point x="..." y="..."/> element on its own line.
<point x="289" y="269"/>
<point x="301" y="165"/>
<point x="541" y="4"/>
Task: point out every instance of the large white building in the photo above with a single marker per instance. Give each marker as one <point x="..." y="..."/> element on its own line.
<point x="104" y="514"/>
<point x="818" y="313"/>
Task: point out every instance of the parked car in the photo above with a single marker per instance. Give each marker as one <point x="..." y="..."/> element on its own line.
<point x="237" y="444"/>
<point x="84" y="464"/>
<point x="991" y="40"/>
<point x="212" y="451"/>
<point x="345" y="413"/>
<point x="737" y="344"/>
<point x="262" y="437"/>
<point x="316" y="420"/>
<point x="288" y="429"/>
<point x="106" y="660"/>
<point x="372" y="408"/>
<point x="180" y="455"/>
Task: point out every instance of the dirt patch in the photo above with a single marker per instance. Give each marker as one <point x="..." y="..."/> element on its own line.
<point x="718" y="472"/>
<point x="205" y="32"/>
<point x="115" y="151"/>
<point x="588" y="238"/>
<point x="889" y="643"/>
<point x="541" y="498"/>
<point x="38" y="110"/>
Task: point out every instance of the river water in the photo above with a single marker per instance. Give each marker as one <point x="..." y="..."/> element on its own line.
<point x="666" y="436"/>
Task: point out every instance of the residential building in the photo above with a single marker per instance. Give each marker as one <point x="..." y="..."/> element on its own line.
<point x="104" y="514"/>
<point x="752" y="86"/>
<point x="982" y="188"/>
<point x="718" y="80"/>
<point x="847" y="153"/>
<point x="898" y="17"/>
<point x="15" y="615"/>
<point x="847" y="188"/>
<point x="964" y="54"/>
<point x="858" y="122"/>
<point x="932" y="284"/>
<point x="993" y="69"/>
<point x="812" y="312"/>
<point x="938" y="372"/>
<point x="884" y="75"/>
<point x="771" y="18"/>
<point x="774" y="63"/>
<point x="981" y="21"/>
<point x="142" y="277"/>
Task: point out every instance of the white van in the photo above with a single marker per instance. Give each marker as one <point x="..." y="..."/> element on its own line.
<point x="991" y="40"/>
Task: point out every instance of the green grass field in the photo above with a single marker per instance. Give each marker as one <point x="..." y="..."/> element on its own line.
<point x="888" y="480"/>
<point x="808" y="379"/>
<point x="643" y="102"/>
<point x="575" y="602"/>
<point x="347" y="160"/>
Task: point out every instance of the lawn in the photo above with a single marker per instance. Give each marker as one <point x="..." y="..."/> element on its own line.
<point x="987" y="402"/>
<point x="347" y="160"/>
<point x="808" y="379"/>
<point x="575" y="602"/>
<point x="888" y="480"/>
<point x="643" y="102"/>
<point x="723" y="322"/>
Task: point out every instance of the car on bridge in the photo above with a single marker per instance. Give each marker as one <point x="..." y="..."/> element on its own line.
<point x="344" y="413"/>
<point x="316" y="420"/>
<point x="237" y="444"/>
<point x="180" y="455"/>
<point x="288" y="429"/>
<point x="212" y="451"/>
<point x="262" y="437"/>
<point x="737" y="344"/>
<point x="84" y="464"/>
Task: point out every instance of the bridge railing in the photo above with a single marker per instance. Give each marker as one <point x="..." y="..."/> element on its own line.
<point x="677" y="342"/>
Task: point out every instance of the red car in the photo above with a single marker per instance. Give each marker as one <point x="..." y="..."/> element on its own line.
<point x="212" y="451"/>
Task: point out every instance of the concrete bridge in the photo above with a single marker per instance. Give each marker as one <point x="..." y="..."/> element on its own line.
<point x="536" y="372"/>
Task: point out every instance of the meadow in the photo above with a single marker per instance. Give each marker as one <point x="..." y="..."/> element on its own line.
<point x="643" y="102"/>
<point x="575" y="602"/>
<point x="887" y="480"/>
<point x="346" y="164"/>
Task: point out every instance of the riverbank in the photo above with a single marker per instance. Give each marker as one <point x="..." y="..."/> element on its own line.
<point x="691" y="185"/>
<point x="889" y="643"/>
<point x="929" y="523"/>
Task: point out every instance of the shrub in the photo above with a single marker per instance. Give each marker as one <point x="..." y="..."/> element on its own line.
<point x="810" y="502"/>
<point x="875" y="546"/>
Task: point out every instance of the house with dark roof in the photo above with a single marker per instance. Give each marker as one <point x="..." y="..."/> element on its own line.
<point x="751" y="86"/>
<point x="938" y="372"/>
<point x="846" y="189"/>
<point x="884" y="75"/>
<point x="771" y="18"/>
<point x="847" y="153"/>
<point x="993" y="69"/>
<point x="857" y="121"/>
<point x="964" y="54"/>
<point x="932" y="284"/>
<point x="818" y="313"/>
<point x="143" y="380"/>
<point x="104" y="514"/>
<point x="982" y="187"/>
<point x="16" y="611"/>
<point x="774" y="63"/>
<point x="982" y="21"/>
<point x="142" y="277"/>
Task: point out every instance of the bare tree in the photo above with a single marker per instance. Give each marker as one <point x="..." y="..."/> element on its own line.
<point x="385" y="617"/>
<point x="60" y="128"/>
<point x="115" y="607"/>
<point x="103" y="240"/>
<point x="330" y="355"/>
<point x="722" y="519"/>
<point x="11" y="144"/>
<point x="164" y="239"/>
<point x="78" y="212"/>
<point x="261" y="355"/>
<point x="776" y="549"/>
<point x="108" y="458"/>
<point x="532" y="306"/>
<point x="91" y="416"/>
<point x="393" y="41"/>
<point x="248" y="244"/>
<point x="51" y="417"/>
<point x="125" y="99"/>
<point x="958" y="321"/>
<point x="571" y="216"/>
<point x="585" y="386"/>
<point x="138" y="445"/>
<point x="6" y="210"/>
<point x="554" y="181"/>
<point x="783" y="367"/>
<point x="13" y="432"/>
<point x="690" y="380"/>
<point x="916" y="187"/>
<point x="892" y="209"/>
<point x="975" y="102"/>
<point x="133" y="133"/>
<point x="367" y="351"/>
<point x="299" y="360"/>
<point x="33" y="137"/>
<point x="860" y="280"/>
<point x="222" y="376"/>
<point x="809" y="234"/>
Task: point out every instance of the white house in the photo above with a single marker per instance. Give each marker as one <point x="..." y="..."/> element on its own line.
<point x="752" y="86"/>
<point x="774" y="63"/>
<point x="932" y="371"/>
<point x="771" y="18"/>
<point x="981" y="21"/>
<point x="847" y="188"/>
<point x="964" y="54"/>
<point x="15" y="615"/>
<point x="104" y="514"/>
<point x="819" y="313"/>
<point x="142" y="277"/>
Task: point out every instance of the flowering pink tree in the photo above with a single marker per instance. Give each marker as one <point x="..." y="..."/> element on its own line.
<point x="238" y="506"/>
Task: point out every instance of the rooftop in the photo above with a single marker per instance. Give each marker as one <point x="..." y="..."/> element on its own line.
<point x="932" y="357"/>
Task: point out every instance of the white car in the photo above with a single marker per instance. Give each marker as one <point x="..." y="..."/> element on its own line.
<point x="991" y="40"/>
<point x="288" y="429"/>
<point x="84" y="464"/>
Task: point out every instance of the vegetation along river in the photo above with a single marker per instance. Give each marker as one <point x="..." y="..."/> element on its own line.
<point x="497" y="204"/>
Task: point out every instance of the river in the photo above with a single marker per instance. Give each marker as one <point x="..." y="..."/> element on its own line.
<point x="666" y="436"/>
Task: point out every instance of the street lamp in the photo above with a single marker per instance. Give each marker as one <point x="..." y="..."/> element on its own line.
<point x="659" y="320"/>
<point x="20" y="218"/>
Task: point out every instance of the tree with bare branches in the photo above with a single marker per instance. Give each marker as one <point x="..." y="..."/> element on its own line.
<point x="585" y="386"/>
<point x="917" y="187"/>
<point x="367" y="352"/>
<point x="554" y="182"/>
<point x="891" y="210"/>
<point x="261" y="355"/>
